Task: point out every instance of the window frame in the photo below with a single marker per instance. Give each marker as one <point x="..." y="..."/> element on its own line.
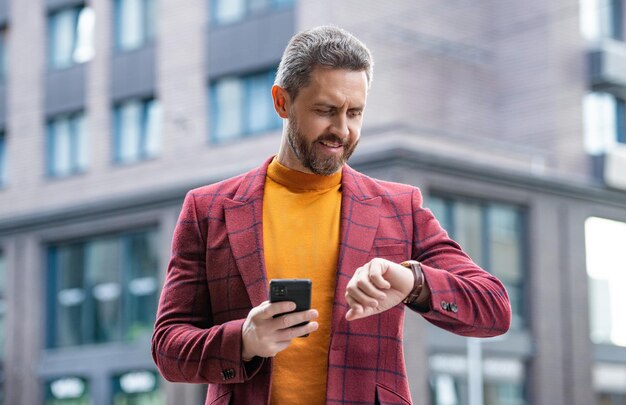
<point x="148" y="32"/>
<point x="52" y="44"/>
<point x="53" y="273"/>
<point x="3" y="158"/>
<point x="248" y="10"/>
<point x="76" y="140"/>
<point x="141" y="153"/>
<point x="275" y="123"/>
<point x="450" y="199"/>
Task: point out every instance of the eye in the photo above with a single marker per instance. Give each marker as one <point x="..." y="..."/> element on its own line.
<point x="322" y="111"/>
<point x="355" y="113"/>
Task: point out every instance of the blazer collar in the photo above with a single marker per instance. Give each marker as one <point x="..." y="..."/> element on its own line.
<point x="244" y="223"/>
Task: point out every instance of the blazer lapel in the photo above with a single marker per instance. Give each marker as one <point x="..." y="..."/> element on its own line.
<point x="360" y="215"/>
<point x="244" y="223"/>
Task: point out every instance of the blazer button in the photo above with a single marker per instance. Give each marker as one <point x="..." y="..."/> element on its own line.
<point x="454" y="308"/>
<point x="228" y="374"/>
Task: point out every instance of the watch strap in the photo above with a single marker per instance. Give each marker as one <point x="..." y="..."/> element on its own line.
<point x="418" y="280"/>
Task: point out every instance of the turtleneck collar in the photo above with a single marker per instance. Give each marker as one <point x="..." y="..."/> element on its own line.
<point x="297" y="180"/>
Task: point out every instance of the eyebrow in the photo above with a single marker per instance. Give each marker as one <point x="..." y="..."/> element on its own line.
<point x="329" y="105"/>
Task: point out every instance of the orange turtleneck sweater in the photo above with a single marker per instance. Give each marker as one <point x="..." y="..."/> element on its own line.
<point x="301" y="216"/>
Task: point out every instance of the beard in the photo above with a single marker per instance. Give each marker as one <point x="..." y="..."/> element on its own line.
<point x="311" y="157"/>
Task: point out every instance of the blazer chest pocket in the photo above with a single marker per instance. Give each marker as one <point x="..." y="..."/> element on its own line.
<point x="397" y="252"/>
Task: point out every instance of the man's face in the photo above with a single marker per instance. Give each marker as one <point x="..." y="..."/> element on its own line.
<point x="324" y="121"/>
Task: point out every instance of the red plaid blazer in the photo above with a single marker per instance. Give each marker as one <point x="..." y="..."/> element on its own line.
<point x="217" y="274"/>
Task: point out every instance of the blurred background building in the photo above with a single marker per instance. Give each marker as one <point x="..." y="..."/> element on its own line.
<point x="509" y="115"/>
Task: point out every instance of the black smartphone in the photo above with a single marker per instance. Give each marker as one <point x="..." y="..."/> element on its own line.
<point x="297" y="290"/>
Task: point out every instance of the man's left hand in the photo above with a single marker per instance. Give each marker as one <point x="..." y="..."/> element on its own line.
<point x="376" y="287"/>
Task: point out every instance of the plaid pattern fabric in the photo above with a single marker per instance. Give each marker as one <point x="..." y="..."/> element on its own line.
<point x="217" y="274"/>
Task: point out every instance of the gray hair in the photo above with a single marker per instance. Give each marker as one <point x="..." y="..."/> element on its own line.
<point x="326" y="46"/>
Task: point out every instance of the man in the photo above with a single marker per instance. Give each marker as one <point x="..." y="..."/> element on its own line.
<point x="368" y="246"/>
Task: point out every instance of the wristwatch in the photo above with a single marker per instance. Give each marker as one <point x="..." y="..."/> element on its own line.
<point x="418" y="280"/>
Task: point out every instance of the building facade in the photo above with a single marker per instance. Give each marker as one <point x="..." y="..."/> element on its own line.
<point x="510" y="117"/>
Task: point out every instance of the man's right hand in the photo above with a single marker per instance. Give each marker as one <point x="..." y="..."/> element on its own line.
<point x="264" y="336"/>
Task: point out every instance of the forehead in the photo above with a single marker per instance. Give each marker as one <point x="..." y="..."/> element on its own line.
<point x="336" y="86"/>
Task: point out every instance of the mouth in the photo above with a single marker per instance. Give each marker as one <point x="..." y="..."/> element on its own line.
<point x="334" y="144"/>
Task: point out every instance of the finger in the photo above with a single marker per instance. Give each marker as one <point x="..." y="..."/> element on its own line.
<point x="275" y="308"/>
<point x="377" y="279"/>
<point x="355" y="307"/>
<point x="289" y="320"/>
<point x="365" y="293"/>
<point x="285" y="335"/>
<point x="364" y="282"/>
<point x="376" y="268"/>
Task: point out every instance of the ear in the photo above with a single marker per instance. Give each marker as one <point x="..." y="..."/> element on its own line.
<point x="281" y="101"/>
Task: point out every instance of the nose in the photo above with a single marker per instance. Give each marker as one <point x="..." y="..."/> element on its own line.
<point x="339" y="126"/>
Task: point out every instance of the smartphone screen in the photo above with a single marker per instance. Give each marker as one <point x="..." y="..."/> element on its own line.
<point x="297" y="290"/>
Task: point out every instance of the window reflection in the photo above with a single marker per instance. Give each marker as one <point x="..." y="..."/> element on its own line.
<point x="243" y="106"/>
<point x="137" y="124"/>
<point x="103" y="289"/>
<point x="70" y="36"/>
<point x="493" y="236"/>
<point x="606" y="264"/>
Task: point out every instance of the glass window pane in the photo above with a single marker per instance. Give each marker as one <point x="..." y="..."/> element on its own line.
<point x="63" y="31"/>
<point x="3" y="54"/>
<point x="70" y="295"/>
<point x="67" y="391"/>
<point x="149" y="19"/>
<point x="61" y="142"/>
<point x="103" y="269"/>
<point x="105" y="289"/>
<point x="137" y="388"/>
<point x="129" y="127"/>
<point x="620" y="120"/>
<point x="81" y="139"/>
<point x="3" y="159"/>
<point x="3" y="306"/>
<point x="505" y="243"/>
<point x="467" y="225"/>
<point x="141" y="272"/>
<point x="85" y="50"/>
<point x="259" y="104"/>
<point x="599" y="122"/>
<point x="606" y="261"/>
<point x="152" y="143"/>
<point x="257" y="5"/>
<point x="131" y="24"/>
<point x="227" y="11"/>
<point x="438" y="207"/>
<point x="227" y="108"/>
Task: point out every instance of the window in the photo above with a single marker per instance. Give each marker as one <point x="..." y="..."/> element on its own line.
<point x="606" y="270"/>
<point x="67" y="145"/>
<point x="229" y="11"/>
<point x="137" y="387"/>
<point x="102" y="289"/>
<point x="493" y="235"/>
<point x="3" y="53"/>
<point x="601" y="19"/>
<point x="67" y="391"/>
<point x="137" y="130"/>
<point x="609" y="383"/>
<point x="604" y="122"/>
<point x="242" y="106"/>
<point x="3" y="306"/>
<point x="134" y="23"/>
<point x="3" y="163"/>
<point x="3" y="311"/>
<point x="70" y="33"/>
<point x="503" y="381"/>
